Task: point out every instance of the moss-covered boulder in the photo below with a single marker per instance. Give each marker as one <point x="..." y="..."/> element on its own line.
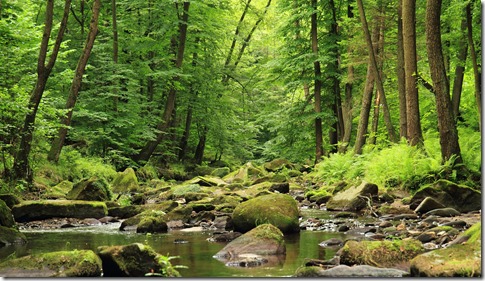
<point x="92" y="189"/>
<point x="460" y="197"/>
<point x="458" y="260"/>
<point x="46" y="209"/>
<point x="354" y="198"/>
<point x="246" y="173"/>
<point x="134" y="260"/>
<point x="10" y="199"/>
<point x="207" y="181"/>
<point x="152" y="220"/>
<point x="221" y="172"/>
<point x="280" y="210"/>
<point x="58" y="191"/>
<point x="9" y="236"/>
<point x="125" y="181"/>
<point x="77" y="263"/>
<point x="6" y="218"/>
<point x="276" y="165"/>
<point x="380" y="253"/>
<point x="254" y="247"/>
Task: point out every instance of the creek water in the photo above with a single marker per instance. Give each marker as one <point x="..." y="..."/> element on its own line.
<point x="196" y="252"/>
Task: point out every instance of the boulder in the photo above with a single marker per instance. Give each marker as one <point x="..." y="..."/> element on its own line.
<point x="353" y="198"/>
<point x="148" y="221"/>
<point x="206" y="181"/>
<point x="46" y="209"/>
<point x="77" y="263"/>
<point x="379" y="253"/>
<point x="125" y="181"/>
<point x="462" y="259"/>
<point x="6" y="218"/>
<point x="276" y="165"/>
<point x="9" y="236"/>
<point x="283" y="187"/>
<point x="92" y="189"/>
<point x="10" y="199"/>
<point x="449" y="194"/>
<point x="220" y="172"/>
<point x="254" y="248"/>
<point x="134" y="260"/>
<point x="59" y="191"/>
<point x="356" y="271"/>
<point x="443" y="212"/>
<point x="280" y="210"/>
<point x="427" y="205"/>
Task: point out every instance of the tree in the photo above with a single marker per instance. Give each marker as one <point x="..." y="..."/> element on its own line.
<point x="476" y="71"/>
<point x="318" y="85"/>
<point x="401" y="75"/>
<point x="446" y="123"/>
<point x="22" y="168"/>
<point x="58" y="142"/>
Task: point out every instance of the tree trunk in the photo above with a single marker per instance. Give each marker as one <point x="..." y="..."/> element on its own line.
<point x="447" y="129"/>
<point x="401" y="76"/>
<point x="318" y="85"/>
<point x="476" y="72"/>
<point x="364" y="111"/>
<point x="58" y="142"/>
<point x="164" y="124"/>
<point x="21" y="162"/>
<point x="459" y="75"/>
<point x="414" y="133"/>
<point x="375" y="69"/>
<point x="375" y="119"/>
<point x="115" y="52"/>
<point x="199" y="151"/>
<point x="337" y="128"/>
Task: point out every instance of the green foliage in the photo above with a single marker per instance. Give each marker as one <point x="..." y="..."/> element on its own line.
<point x="341" y="166"/>
<point x="167" y="269"/>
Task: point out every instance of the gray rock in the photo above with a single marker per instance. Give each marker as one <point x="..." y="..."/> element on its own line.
<point x="427" y="205"/>
<point x="353" y="198"/>
<point x="444" y="212"/>
<point x="362" y="271"/>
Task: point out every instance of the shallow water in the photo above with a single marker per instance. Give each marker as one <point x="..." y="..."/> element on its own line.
<point x="197" y="254"/>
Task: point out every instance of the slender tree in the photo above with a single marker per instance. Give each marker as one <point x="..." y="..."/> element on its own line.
<point x="58" y="141"/>
<point x="446" y="124"/>
<point x="459" y="73"/>
<point x="401" y="75"/>
<point x="21" y="164"/>
<point x="476" y="72"/>
<point x="318" y="85"/>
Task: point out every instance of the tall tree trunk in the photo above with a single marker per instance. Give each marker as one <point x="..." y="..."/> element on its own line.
<point x="147" y="151"/>
<point x="476" y="72"/>
<point x="337" y="127"/>
<point x="58" y="142"/>
<point x="375" y="119"/>
<point x="375" y="69"/>
<point x="318" y="85"/>
<point x="401" y="76"/>
<point x="115" y="51"/>
<point x="199" y="151"/>
<point x="414" y="134"/>
<point x="459" y="74"/>
<point x="365" y="111"/>
<point x="447" y="128"/>
<point x="21" y="163"/>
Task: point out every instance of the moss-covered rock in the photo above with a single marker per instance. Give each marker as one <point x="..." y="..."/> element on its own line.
<point x="380" y="253"/>
<point x="246" y="173"/>
<point x="449" y="194"/>
<point x="77" y="263"/>
<point x="206" y="181"/>
<point x="221" y="172"/>
<point x="46" y="209"/>
<point x="10" y="199"/>
<point x="277" y="164"/>
<point x="125" y="181"/>
<point x="6" y="218"/>
<point x="458" y="260"/>
<point x="353" y="198"/>
<point x="134" y="260"/>
<point x="280" y="210"/>
<point x="59" y="191"/>
<point x="10" y="236"/>
<point x="92" y="189"/>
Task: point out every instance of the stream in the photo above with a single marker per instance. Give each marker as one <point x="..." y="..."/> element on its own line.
<point x="195" y="251"/>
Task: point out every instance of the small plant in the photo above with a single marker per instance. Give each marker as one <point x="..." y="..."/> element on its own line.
<point x="167" y="269"/>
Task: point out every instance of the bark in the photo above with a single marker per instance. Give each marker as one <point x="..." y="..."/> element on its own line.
<point x="414" y="133"/>
<point x="375" y="69"/>
<point x="337" y="127"/>
<point x="447" y="129"/>
<point x="162" y="127"/>
<point x="401" y="76"/>
<point x="21" y="162"/>
<point x="459" y="75"/>
<point x="476" y="72"/>
<point x="318" y="85"/>
<point x="365" y="111"/>
<point x="375" y="119"/>
<point x="115" y="50"/>
<point x="199" y="151"/>
<point x="58" y="142"/>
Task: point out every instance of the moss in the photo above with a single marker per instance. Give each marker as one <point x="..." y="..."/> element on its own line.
<point x="125" y="181"/>
<point x="6" y="218"/>
<point x="43" y="209"/>
<point x="10" y="236"/>
<point x="58" y="191"/>
<point x="308" y="271"/>
<point x="474" y="232"/>
<point x="180" y="190"/>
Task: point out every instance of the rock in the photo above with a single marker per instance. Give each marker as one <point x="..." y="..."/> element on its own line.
<point x="261" y="242"/>
<point x="125" y="181"/>
<point x="444" y="212"/>
<point x="426" y="237"/>
<point x="58" y="191"/>
<point x="427" y="205"/>
<point x="207" y="181"/>
<point x="280" y="210"/>
<point x="45" y="209"/>
<point x="460" y="197"/>
<point x="247" y="260"/>
<point x="283" y="187"/>
<point x="222" y="222"/>
<point x="6" y="218"/>
<point x="225" y="236"/>
<point x="134" y="260"/>
<point x="379" y="253"/>
<point x="246" y="173"/>
<point x="10" y="199"/>
<point x="352" y="199"/>
<point x="77" y="263"/>
<point x="92" y="189"/>
<point x="358" y="271"/>
<point x="458" y="260"/>
<point x="9" y="236"/>
<point x="125" y="212"/>
<point x="152" y="224"/>
<point x="220" y="172"/>
<point x="331" y="242"/>
<point x="276" y="165"/>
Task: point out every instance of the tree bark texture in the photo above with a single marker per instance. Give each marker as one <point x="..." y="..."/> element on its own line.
<point x="459" y="74"/>
<point x="337" y="128"/>
<point x="318" y="85"/>
<point x="58" y="142"/>
<point x="401" y="76"/>
<point x="447" y="129"/>
<point x="21" y="162"/>
<point x="476" y="72"/>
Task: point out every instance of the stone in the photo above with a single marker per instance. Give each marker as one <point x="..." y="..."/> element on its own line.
<point x="46" y="209"/>
<point x="76" y="263"/>
<point x="276" y="165"/>
<point x="356" y="271"/>
<point x="427" y="205"/>
<point x="331" y="242"/>
<point x="6" y="217"/>
<point x="283" y="187"/>
<point x="280" y="210"/>
<point x="443" y="212"/>
<point x="10" y="199"/>
<point x="92" y="189"/>
<point x="9" y="236"/>
<point x="353" y="198"/>
<point x="125" y="181"/>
